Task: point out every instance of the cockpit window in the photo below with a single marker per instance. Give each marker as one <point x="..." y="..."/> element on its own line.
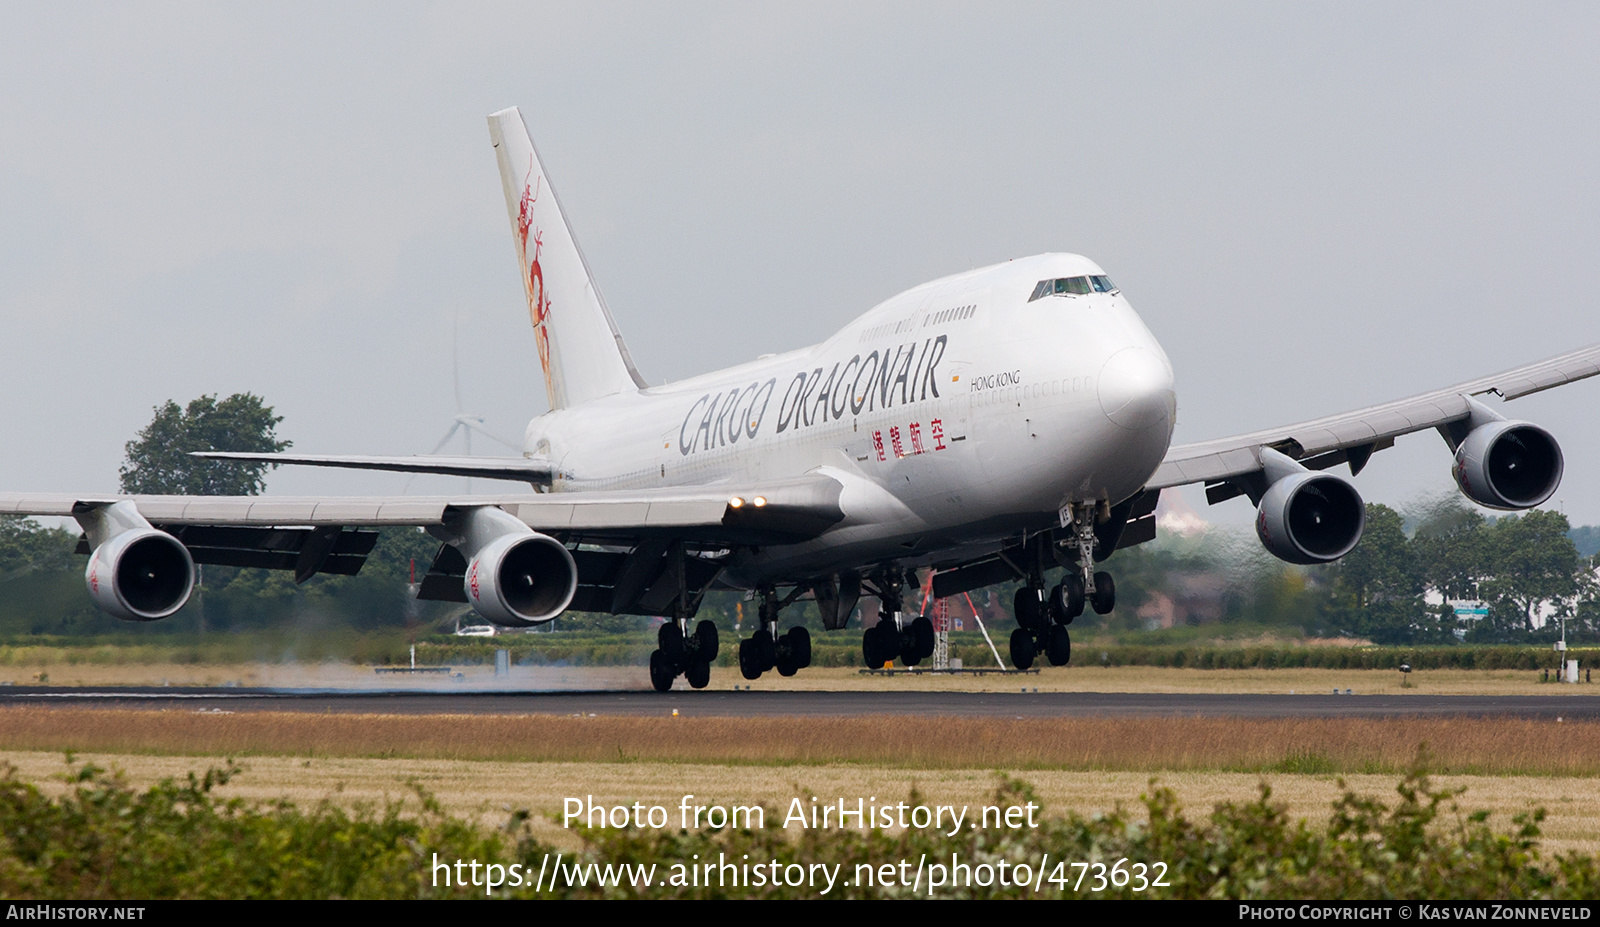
<point x="1072" y="286"/>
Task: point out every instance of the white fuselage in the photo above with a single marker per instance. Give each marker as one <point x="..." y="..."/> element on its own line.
<point x="956" y="415"/>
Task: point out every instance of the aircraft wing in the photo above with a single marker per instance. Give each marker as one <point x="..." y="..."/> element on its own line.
<point x="777" y="511"/>
<point x="1352" y="437"/>
<point x="535" y="470"/>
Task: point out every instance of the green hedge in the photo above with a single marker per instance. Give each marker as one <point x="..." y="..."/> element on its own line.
<point x="1366" y="658"/>
<point x="840" y="648"/>
<point x="844" y="649"/>
<point x="104" y="840"/>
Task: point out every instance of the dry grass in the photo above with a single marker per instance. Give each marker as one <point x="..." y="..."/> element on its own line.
<point x="1494" y="746"/>
<point x="489" y="790"/>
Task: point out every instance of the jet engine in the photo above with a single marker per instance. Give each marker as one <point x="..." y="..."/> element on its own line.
<point x="516" y="577"/>
<point x="1508" y="465"/>
<point x="140" y="575"/>
<point x="1307" y="517"/>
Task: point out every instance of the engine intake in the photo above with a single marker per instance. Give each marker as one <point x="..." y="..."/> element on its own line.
<point x="516" y="577"/>
<point x="1508" y="465"/>
<point x="141" y="574"/>
<point x="1306" y="517"/>
<point x="519" y="581"/>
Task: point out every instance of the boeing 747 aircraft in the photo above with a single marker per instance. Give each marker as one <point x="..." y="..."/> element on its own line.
<point x="988" y="426"/>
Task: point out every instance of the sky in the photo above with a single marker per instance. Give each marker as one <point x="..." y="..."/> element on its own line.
<point x="1313" y="206"/>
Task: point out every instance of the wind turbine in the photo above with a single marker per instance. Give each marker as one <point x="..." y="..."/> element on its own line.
<point x="464" y="422"/>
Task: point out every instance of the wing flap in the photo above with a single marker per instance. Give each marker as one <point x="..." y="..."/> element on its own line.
<point x="535" y="470"/>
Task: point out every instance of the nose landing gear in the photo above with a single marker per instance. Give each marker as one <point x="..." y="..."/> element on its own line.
<point x="1043" y="619"/>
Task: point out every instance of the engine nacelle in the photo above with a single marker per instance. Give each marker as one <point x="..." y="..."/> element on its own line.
<point x="1306" y="517"/>
<point x="1508" y="465"/>
<point x="516" y="577"/>
<point x="140" y="574"/>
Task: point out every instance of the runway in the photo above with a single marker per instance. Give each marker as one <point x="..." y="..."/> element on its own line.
<point x="723" y="703"/>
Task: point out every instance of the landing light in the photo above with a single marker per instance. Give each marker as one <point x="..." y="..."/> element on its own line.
<point x="760" y="501"/>
<point x="735" y="503"/>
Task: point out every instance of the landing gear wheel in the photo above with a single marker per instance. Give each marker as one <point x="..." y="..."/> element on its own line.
<point x="1026" y="607"/>
<point x="670" y="637"/>
<point x="799" y="647"/>
<point x="872" y="648"/>
<point x="1105" y="594"/>
<point x="922" y="637"/>
<point x="706" y="643"/>
<point x="1058" y="646"/>
<point x="764" y="649"/>
<point x="908" y="642"/>
<point x="698" y="674"/>
<point x="786" y="667"/>
<point x="749" y="666"/>
<point x="1022" y="651"/>
<point x="1068" y="598"/>
<point x="661" y="674"/>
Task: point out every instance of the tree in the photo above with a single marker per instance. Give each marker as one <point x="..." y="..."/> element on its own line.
<point x="159" y="462"/>
<point x="1452" y="548"/>
<point x="27" y="546"/>
<point x="1377" y="588"/>
<point x="1534" y="566"/>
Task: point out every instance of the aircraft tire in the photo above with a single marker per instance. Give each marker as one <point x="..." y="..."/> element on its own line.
<point x="1026" y="607"/>
<point x="661" y="675"/>
<point x="706" y="643"/>
<point x="923" y="636"/>
<point x="1058" y="646"/>
<point x="787" y="667"/>
<point x="872" y="649"/>
<point x="1105" y="594"/>
<point x="1022" y="650"/>
<point x="1069" y="599"/>
<point x="670" y="637"/>
<point x="698" y="674"/>
<point x="747" y="660"/>
<point x="799" y="647"/>
<point x="765" y="649"/>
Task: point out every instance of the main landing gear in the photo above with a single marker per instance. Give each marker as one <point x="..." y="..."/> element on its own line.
<point x="689" y="654"/>
<point x="788" y="653"/>
<point x="894" y="636"/>
<point x="678" y="650"/>
<point x="1043" y="619"/>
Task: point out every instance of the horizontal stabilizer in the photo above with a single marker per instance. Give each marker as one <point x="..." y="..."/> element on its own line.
<point x="536" y="470"/>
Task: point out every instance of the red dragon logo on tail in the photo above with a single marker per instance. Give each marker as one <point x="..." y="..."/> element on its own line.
<point x="538" y="302"/>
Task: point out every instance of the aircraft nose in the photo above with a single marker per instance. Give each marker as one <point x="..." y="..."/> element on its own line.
<point x="1136" y="389"/>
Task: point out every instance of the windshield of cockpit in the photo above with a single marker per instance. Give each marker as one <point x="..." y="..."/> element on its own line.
<point x="1073" y="286"/>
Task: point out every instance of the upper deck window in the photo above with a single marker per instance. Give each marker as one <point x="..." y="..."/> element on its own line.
<point x="1073" y="286"/>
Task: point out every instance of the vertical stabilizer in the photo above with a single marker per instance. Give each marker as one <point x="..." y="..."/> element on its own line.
<point x="579" y="347"/>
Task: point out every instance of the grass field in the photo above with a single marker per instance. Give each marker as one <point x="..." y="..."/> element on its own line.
<point x="490" y="790"/>
<point x="340" y="675"/>
<point x="1492" y="746"/>
<point x="486" y="766"/>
